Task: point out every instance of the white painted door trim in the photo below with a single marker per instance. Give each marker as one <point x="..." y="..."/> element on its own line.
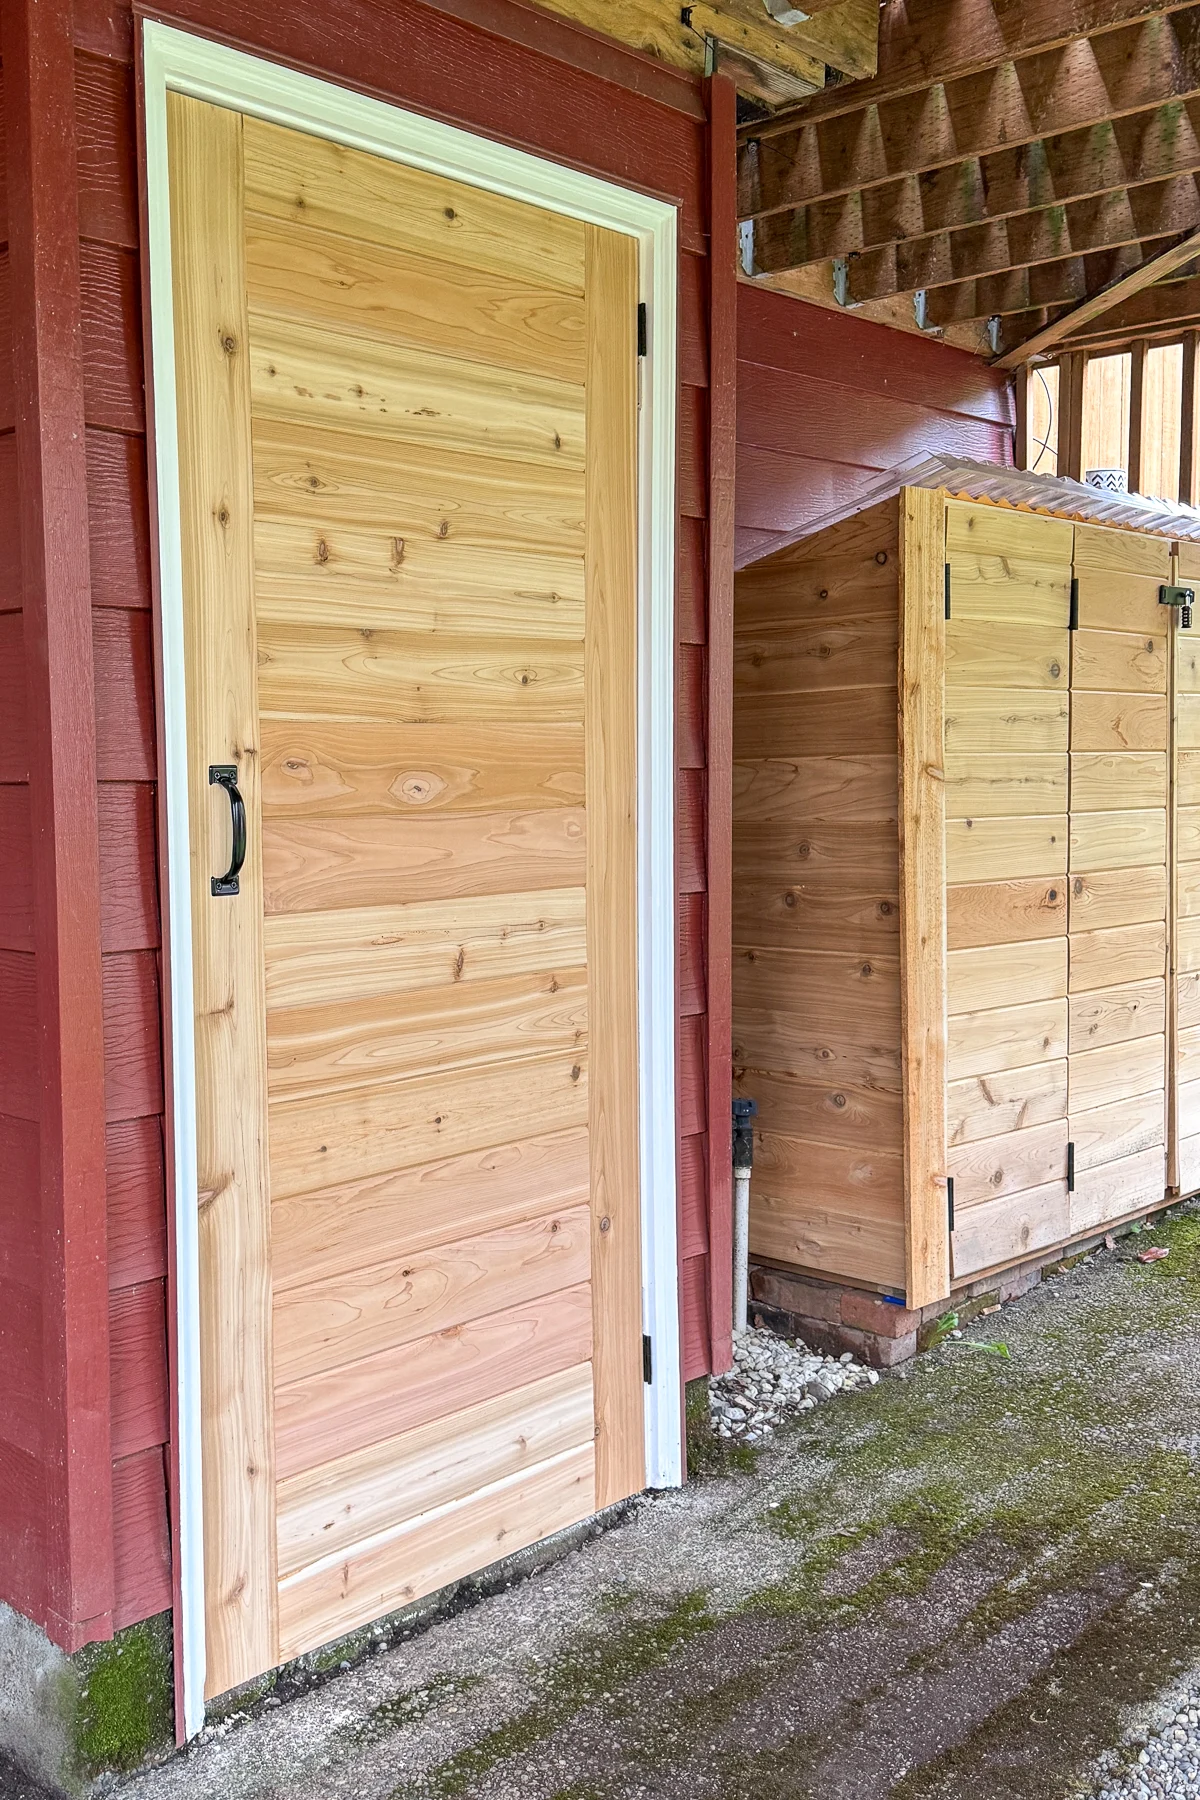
<point x="174" y="60"/>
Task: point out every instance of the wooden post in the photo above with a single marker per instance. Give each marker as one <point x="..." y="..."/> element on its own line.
<point x="1021" y="405"/>
<point x="1187" y="422"/>
<point x="1137" y="377"/>
<point x="722" y="459"/>
<point x="1070" y="413"/>
<point x="35" y="39"/>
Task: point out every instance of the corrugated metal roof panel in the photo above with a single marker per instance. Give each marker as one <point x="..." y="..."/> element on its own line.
<point x="1056" y="496"/>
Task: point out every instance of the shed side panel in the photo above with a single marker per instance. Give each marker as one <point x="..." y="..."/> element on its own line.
<point x="816" y="976"/>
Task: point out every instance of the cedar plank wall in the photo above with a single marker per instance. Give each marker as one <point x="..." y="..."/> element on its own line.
<point x="21" y="1487"/>
<point x="826" y="402"/>
<point x="420" y="56"/>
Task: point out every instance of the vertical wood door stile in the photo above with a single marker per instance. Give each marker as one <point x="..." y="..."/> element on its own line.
<point x="216" y="495"/>
<point x="610" y="653"/>
<point x="922" y="820"/>
<point x="1185" y="886"/>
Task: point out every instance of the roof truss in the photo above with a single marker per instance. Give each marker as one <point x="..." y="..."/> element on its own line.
<point x="1010" y="159"/>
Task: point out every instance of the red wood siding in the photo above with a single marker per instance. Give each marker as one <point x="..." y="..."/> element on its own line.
<point x="827" y="401"/>
<point x="528" y="80"/>
<point x="22" y="1518"/>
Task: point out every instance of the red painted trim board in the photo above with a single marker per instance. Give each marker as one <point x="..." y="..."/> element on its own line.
<point x="35" y="38"/>
<point x="722" y="465"/>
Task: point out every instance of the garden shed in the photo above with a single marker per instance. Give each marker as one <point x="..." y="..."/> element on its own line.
<point x="966" y="875"/>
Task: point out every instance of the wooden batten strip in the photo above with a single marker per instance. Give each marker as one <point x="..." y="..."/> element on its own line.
<point x="922" y="891"/>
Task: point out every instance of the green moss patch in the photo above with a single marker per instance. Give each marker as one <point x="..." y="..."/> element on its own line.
<point x="126" y="1699"/>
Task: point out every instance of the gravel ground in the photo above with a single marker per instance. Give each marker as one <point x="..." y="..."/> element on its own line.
<point x="977" y="1579"/>
<point x="773" y="1379"/>
<point x="1168" y="1765"/>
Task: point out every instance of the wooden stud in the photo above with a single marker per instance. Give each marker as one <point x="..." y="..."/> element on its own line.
<point x="1070" y="414"/>
<point x="722" y="392"/>
<point x="75" y="1579"/>
<point x="611" y="735"/>
<point x="1187" y="421"/>
<point x="1137" y="384"/>
<point x="922" y="893"/>
<point x="216" y="508"/>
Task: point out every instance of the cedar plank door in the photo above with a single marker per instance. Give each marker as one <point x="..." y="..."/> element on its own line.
<point x="408" y="464"/>
<point x="1056" y="773"/>
<point x="1118" y="888"/>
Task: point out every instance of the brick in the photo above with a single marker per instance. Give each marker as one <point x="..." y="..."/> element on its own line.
<point x="792" y="1294"/>
<point x="867" y="1312"/>
<point x="887" y="1353"/>
<point x="1018" y="1282"/>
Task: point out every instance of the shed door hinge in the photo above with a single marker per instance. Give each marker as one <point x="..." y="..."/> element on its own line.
<point x="947" y="590"/>
<point x="647" y="1359"/>
<point x="1073" y="621"/>
<point x="643" y="328"/>
<point x="950" y="1200"/>
<point x="1070" y="1168"/>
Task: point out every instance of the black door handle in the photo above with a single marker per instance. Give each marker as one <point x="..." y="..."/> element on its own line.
<point x="225" y="775"/>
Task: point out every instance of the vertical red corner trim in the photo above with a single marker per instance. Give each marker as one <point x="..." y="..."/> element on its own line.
<point x="722" y="455"/>
<point x="35" y="40"/>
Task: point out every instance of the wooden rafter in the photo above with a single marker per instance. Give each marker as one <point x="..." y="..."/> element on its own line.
<point x="1130" y="295"/>
<point x="1054" y="234"/>
<point x="1064" y="170"/>
<point x="1065" y="282"/>
<point x="923" y="43"/>
<point x="1076" y="88"/>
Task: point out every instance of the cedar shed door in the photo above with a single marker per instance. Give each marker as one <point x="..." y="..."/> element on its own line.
<point x="407" y="421"/>
<point x="1118" y="885"/>
<point x="1007" y="723"/>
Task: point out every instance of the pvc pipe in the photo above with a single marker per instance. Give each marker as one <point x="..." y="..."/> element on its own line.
<point x="741" y="1246"/>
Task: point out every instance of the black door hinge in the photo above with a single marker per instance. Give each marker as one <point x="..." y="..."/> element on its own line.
<point x="947" y="590"/>
<point x="1073" y="621"/>
<point x="950" y="1199"/>
<point x="647" y="1359"/>
<point x="1070" y="1168"/>
<point x="643" y="328"/>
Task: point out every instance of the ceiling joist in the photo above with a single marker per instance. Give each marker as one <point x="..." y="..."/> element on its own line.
<point x="1053" y="235"/>
<point x="1134" y="295"/>
<point x="1056" y="171"/>
<point x="1079" y="87"/>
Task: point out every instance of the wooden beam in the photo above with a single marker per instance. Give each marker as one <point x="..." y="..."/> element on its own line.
<point x="1130" y="216"/>
<point x="1021" y="405"/>
<point x="1104" y="302"/>
<point x="76" y="1552"/>
<point x="1071" y="165"/>
<point x="722" y="477"/>
<point x="922" y="44"/>
<point x="1112" y="76"/>
<point x="1187" y="420"/>
<point x="845" y="36"/>
<point x="1137" y="388"/>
